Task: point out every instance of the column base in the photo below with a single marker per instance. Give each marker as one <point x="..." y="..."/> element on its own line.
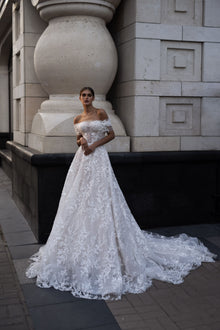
<point x="53" y="132"/>
<point x="56" y="144"/>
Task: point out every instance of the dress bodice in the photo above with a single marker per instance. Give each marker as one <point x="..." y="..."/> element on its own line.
<point x="93" y="130"/>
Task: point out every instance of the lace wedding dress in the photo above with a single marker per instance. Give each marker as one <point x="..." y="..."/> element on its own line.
<point x="96" y="249"/>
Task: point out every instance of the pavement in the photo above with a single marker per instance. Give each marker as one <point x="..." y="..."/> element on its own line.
<point x="192" y="305"/>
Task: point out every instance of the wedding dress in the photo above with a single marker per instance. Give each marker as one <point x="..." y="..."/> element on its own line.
<point x="96" y="249"/>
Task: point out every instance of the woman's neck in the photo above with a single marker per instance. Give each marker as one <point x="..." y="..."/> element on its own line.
<point x="89" y="110"/>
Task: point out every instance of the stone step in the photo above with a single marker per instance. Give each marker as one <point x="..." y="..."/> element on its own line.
<point x="6" y="154"/>
<point x="6" y="160"/>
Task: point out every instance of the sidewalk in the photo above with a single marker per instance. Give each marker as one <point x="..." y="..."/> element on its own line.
<point x="20" y="299"/>
<point x="193" y="305"/>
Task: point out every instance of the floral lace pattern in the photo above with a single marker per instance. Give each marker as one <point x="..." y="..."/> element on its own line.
<point x="96" y="249"/>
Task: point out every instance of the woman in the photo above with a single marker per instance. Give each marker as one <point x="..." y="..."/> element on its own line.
<point x="90" y="113"/>
<point x="96" y="249"/>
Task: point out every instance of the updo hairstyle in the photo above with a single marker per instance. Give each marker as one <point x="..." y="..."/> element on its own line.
<point x="89" y="88"/>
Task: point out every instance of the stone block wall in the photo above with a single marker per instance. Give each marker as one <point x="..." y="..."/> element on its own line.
<point x="168" y="83"/>
<point x="5" y="71"/>
<point x="27" y="92"/>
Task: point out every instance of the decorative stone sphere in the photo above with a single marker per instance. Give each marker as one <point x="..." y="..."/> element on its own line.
<point x="74" y="51"/>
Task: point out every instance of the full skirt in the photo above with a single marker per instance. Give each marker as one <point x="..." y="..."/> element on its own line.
<point x="96" y="249"/>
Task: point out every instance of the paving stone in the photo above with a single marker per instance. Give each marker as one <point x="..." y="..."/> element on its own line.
<point x="149" y="312"/>
<point x="20" y="266"/>
<point x="11" y="217"/>
<point x="13" y="313"/>
<point x="23" y="251"/>
<point x="35" y="296"/>
<point x="120" y="304"/>
<point x="5" y="300"/>
<point x="8" y="207"/>
<point x="191" y="304"/>
<point x="215" y="240"/>
<point x="167" y="323"/>
<point x="17" y="226"/>
<point x="16" y="327"/>
<point x="122" y="311"/>
<point x="71" y="316"/>
<point x="215" y="326"/>
<point x="112" y="326"/>
<point x="129" y="321"/>
<point x="12" y="320"/>
<point x="134" y="299"/>
<point x="20" y="238"/>
<point x="146" y="298"/>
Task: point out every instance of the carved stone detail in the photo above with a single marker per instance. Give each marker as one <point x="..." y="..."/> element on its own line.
<point x="185" y="12"/>
<point x="180" y="61"/>
<point x="179" y="116"/>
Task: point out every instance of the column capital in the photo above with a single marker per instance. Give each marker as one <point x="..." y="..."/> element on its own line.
<point x="56" y="8"/>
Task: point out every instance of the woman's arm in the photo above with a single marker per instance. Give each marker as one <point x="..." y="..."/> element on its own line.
<point x="89" y="149"/>
<point x="78" y="136"/>
<point x="78" y="139"/>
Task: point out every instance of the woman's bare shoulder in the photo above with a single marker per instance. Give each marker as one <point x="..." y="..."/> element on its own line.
<point x="102" y="114"/>
<point x="77" y="119"/>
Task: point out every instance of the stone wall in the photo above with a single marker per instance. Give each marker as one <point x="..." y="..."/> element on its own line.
<point x="27" y="92"/>
<point x="168" y="84"/>
<point x="5" y="71"/>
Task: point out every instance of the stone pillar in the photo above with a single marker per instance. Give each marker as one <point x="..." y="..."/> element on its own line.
<point x="27" y="27"/>
<point x="168" y="87"/>
<point x="75" y="50"/>
<point x="5" y="51"/>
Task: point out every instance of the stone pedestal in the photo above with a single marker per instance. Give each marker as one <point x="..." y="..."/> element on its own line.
<point x="75" y="50"/>
<point x="171" y="188"/>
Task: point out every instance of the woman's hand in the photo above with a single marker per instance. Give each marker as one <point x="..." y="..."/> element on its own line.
<point x="83" y="142"/>
<point x="89" y="149"/>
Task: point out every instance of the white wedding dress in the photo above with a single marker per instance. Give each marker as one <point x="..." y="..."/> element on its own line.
<point x="96" y="249"/>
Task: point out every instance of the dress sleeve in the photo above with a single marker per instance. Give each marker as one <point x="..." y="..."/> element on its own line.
<point x="108" y="125"/>
<point x="77" y="130"/>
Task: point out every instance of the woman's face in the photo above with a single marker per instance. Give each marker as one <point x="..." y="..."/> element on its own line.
<point x="86" y="97"/>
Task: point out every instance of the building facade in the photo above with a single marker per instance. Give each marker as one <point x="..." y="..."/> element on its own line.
<point x="155" y="67"/>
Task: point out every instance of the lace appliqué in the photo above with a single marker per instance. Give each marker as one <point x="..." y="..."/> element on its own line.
<point x="96" y="249"/>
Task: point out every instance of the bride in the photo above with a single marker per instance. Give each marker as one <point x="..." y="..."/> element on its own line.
<point x="96" y="250"/>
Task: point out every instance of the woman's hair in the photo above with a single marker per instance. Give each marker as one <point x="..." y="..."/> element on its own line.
<point x="89" y="88"/>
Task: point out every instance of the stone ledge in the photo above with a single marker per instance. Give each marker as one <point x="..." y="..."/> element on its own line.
<point x="155" y="143"/>
<point x="201" y="34"/>
<point x="40" y="159"/>
<point x="200" y="89"/>
<point x="149" y="31"/>
<point x="149" y="88"/>
<point x="200" y="143"/>
<point x="168" y="32"/>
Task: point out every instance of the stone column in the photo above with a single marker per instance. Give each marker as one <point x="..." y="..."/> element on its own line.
<point x="75" y="50"/>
